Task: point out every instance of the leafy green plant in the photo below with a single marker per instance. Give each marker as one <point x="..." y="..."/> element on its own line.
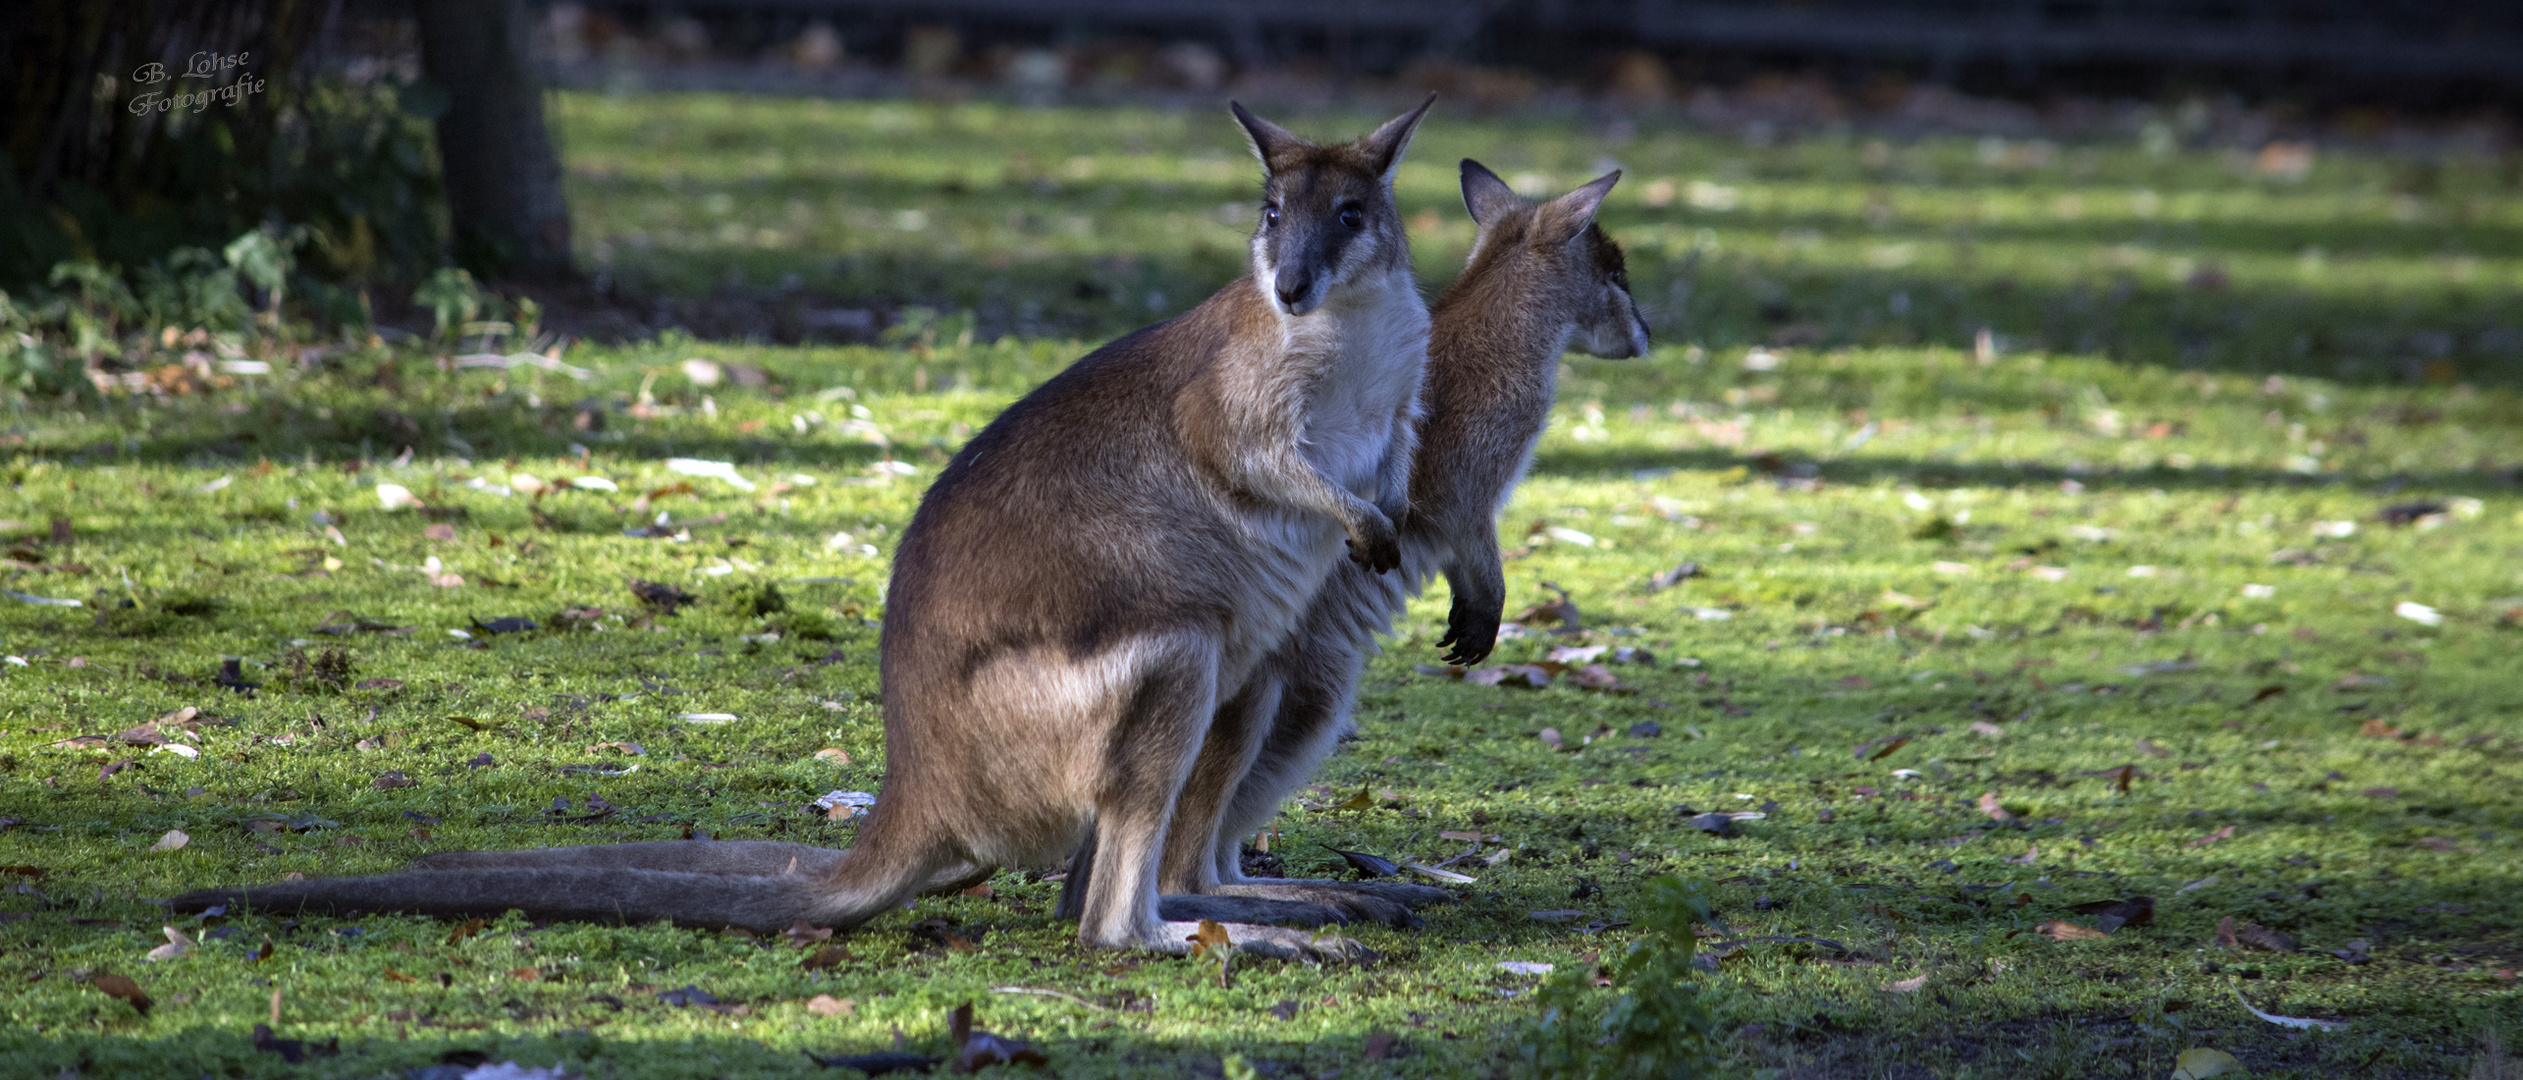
<point x="453" y="299"/>
<point x="1658" y="1026"/>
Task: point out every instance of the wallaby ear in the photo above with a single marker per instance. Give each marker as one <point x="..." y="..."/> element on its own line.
<point x="1575" y="210"/>
<point x="1270" y="141"/>
<point x="1384" y="145"/>
<point x="1486" y="196"/>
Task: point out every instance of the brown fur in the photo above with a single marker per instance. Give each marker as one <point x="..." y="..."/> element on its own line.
<point x="1541" y="280"/>
<point x="1080" y="587"/>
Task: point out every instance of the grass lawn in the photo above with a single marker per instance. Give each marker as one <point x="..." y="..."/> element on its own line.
<point x="2197" y="584"/>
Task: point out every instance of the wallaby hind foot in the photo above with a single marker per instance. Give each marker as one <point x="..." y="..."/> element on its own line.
<point x="1193" y="907"/>
<point x="1387" y="902"/>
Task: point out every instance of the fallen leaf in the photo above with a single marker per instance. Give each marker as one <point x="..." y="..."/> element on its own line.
<point x="2110" y="916"/>
<point x="1373" y="866"/>
<point x="2226" y="833"/>
<point x="2031" y="855"/>
<point x="1524" y="967"/>
<point x="2297" y="1022"/>
<point x="1989" y="806"/>
<point x="392" y="779"/>
<point x="293" y="1051"/>
<point x="2357" y="952"/>
<point x="802" y="934"/>
<point x="1910" y="985"/>
<point x="1983" y="727"/>
<point x="1448" y="876"/>
<point x="2234" y="936"/>
<point x="828" y="1005"/>
<point x="1363" y="800"/>
<point x="829" y="956"/>
<point x="1887" y="744"/>
<point x="976" y="1049"/>
<point x="687" y="996"/>
<point x="398" y="976"/>
<point x="122" y="988"/>
<point x="177" y="945"/>
<point x="1210" y="937"/>
<point x="2061" y="930"/>
<point x="2378" y="729"/>
<point x="2199" y="1063"/>
<point x="624" y="747"/>
<point x="1550" y="737"/>
<point x="439" y="532"/>
<point x="833" y="754"/>
<point x="468" y="929"/>
<point x="660" y="595"/>
<point x="173" y="840"/>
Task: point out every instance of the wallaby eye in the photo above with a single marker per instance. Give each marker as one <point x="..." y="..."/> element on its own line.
<point x="1353" y="219"/>
<point x="1270" y="214"/>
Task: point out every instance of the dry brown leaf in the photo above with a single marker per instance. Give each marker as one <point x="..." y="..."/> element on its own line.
<point x="828" y="1005"/>
<point x="1989" y="806"/>
<point x="398" y="976"/>
<point x="1211" y="936"/>
<point x="976" y="1049"/>
<point x="1363" y="800"/>
<point x="2378" y="729"/>
<point x="2226" y="833"/>
<point x="1910" y="985"/>
<point x="173" y="840"/>
<point x="470" y="928"/>
<point x="122" y="988"/>
<point x="833" y="754"/>
<point x="829" y="956"/>
<point x="2062" y="930"/>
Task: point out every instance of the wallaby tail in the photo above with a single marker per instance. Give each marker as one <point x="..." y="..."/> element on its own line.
<point x="575" y="893"/>
<point x="617" y="885"/>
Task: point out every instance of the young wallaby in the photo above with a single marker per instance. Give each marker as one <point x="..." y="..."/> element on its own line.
<point x="1080" y="587"/>
<point x="1542" y="280"/>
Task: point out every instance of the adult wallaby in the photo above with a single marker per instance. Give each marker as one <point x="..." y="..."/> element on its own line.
<point x="1080" y="587"/>
<point x="1542" y="280"/>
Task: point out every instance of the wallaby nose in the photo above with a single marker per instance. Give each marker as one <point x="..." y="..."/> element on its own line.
<point x="1295" y="290"/>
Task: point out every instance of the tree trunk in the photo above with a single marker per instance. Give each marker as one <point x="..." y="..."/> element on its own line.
<point x="503" y="177"/>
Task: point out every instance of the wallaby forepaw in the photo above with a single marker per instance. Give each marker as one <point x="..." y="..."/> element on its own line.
<point x="1380" y="551"/>
<point x="1471" y="641"/>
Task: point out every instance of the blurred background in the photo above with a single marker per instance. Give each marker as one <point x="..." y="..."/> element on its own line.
<point x="2321" y="187"/>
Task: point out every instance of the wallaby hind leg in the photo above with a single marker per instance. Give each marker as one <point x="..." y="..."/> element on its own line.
<point x="1161" y="721"/>
<point x="1315" y="705"/>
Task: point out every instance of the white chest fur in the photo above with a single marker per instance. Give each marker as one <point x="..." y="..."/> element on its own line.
<point x="1371" y="345"/>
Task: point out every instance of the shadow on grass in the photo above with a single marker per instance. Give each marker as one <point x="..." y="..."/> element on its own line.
<point x="1790" y="469"/>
